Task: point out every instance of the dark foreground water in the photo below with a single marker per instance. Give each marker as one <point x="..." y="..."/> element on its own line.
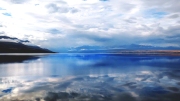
<point x="89" y="77"/>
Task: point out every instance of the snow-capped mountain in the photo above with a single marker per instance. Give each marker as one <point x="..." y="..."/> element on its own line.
<point x="15" y="45"/>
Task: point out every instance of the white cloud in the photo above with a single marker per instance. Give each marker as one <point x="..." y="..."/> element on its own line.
<point x="85" y="22"/>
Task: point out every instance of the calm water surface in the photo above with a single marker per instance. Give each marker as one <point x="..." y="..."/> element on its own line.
<point x="89" y="77"/>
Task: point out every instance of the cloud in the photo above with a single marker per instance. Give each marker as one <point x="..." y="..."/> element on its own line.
<point x="68" y="83"/>
<point x="103" y="0"/>
<point x="54" y="31"/>
<point x="6" y="14"/>
<point x="169" y="6"/>
<point x="16" y="1"/>
<point x="173" y="16"/>
<point x="134" y="86"/>
<point x="54" y="8"/>
<point x="91" y="22"/>
<point x="2" y="32"/>
<point x="2" y="8"/>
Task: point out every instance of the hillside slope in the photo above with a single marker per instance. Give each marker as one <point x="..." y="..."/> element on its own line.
<point x="14" y="45"/>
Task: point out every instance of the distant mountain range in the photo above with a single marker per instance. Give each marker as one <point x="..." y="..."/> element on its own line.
<point x="115" y="49"/>
<point x="14" y="45"/>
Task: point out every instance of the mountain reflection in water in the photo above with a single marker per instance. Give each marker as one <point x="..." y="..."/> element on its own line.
<point x="89" y="77"/>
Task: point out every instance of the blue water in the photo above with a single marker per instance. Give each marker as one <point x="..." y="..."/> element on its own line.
<point x="89" y="77"/>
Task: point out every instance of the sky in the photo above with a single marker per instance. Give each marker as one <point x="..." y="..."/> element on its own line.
<point x="56" y="24"/>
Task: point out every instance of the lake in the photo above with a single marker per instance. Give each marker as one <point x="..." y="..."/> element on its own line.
<point x="89" y="77"/>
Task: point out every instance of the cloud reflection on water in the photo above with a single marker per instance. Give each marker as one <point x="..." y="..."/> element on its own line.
<point x="92" y="78"/>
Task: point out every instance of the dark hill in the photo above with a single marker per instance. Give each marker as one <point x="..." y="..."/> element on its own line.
<point x="14" y="45"/>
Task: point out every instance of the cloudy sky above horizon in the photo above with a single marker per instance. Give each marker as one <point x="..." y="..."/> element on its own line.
<point x="71" y="23"/>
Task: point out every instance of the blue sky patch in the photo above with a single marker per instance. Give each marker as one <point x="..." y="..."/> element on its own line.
<point x="7" y="90"/>
<point x="154" y="13"/>
<point x="2" y="8"/>
<point x="6" y="14"/>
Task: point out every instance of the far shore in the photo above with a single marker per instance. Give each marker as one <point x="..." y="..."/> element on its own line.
<point x="150" y="52"/>
<point x="121" y="52"/>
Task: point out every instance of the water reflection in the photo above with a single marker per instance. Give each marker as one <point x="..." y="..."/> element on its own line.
<point x="91" y="77"/>
<point x="15" y="58"/>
